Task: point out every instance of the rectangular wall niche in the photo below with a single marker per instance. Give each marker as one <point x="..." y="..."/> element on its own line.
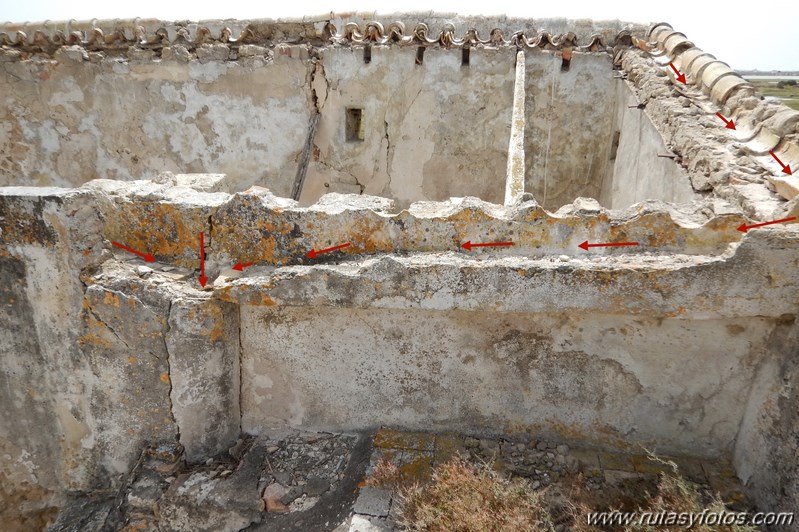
<point x="354" y="125"/>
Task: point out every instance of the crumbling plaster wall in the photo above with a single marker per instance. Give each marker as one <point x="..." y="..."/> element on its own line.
<point x="432" y="130"/>
<point x="569" y="117"/>
<point x="72" y="118"/>
<point x="613" y="380"/>
<point x="642" y="166"/>
<point x="117" y="354"/>
<point x="589" y="348"/>
<point x="768" y="442"/>
<point x="95" y="368"/>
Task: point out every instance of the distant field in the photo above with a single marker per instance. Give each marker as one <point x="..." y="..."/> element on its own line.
<point x="789" y="94"/>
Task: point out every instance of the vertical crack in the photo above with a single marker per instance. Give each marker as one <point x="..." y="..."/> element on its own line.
<point x="208" y="239"/>
<point x="241" y="375"/>
<point x="169" y="370"/>
<point x="313" y="123"/>
<point x="388" y="147"/>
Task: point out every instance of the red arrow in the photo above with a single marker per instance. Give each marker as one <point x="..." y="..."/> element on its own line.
<point x="468" y="245"/>
<point x="313" y="253"/>
<point x="202" y="278"/>
<point x="147" y="258"/>
<point x="680" y="77"/>
<point x="744" y="228"/>
<point x="240" y="267"/>
<point x="585" y="245"/>
<point x="785" y="167"/>
<point x="730" y="123"/>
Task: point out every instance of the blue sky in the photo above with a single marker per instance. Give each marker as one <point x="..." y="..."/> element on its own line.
<point x="763" y="35"/>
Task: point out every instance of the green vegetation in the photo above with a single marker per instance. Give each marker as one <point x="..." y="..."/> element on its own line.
<point x="786" y="90"/>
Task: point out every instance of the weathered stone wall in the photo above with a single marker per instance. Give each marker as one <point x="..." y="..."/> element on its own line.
<point x="612" y="380"/>
<point x="569" y="115"/>
<point x="642" y="166"/>
<point x="71" y="118"/>
<point x="685" y="342"/>
<point x="619" y="348"/>
<point x="432" y="131"/>
<point x="86" y="378"/>
<point x="768" y="441"/>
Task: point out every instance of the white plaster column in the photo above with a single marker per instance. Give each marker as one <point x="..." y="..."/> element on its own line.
<point x="514" y="179"/>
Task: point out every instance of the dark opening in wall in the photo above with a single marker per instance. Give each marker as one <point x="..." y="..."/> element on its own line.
<point x="367" y="54"/>
<point x="465" y="56"/>
<point x="614" y="146"/>
<point x="420" y="55"/>
<point x="564" y="63"/>
<point x="354" y="127"/>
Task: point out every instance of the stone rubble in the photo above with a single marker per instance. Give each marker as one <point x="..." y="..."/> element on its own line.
<point x="276" y="484"/>
<point x="256" y="481"/>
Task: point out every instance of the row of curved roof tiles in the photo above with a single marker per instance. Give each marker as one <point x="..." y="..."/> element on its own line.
<point x="368" y="33"/>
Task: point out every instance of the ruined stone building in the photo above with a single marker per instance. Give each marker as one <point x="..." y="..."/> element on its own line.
<point x="488" y="226"/>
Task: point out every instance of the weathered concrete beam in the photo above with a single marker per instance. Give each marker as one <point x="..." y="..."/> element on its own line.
<point x="514" y="178"/>
<point x="256" y="226"/>
<point x="203" y="346"/>
<point x="754" y="279"/>
<point x="122" y="341"/>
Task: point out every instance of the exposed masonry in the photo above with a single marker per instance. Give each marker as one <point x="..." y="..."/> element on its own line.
<point x="685" y="342"/>
<point x="762" y="125"/>
<point x="212" y="38"/>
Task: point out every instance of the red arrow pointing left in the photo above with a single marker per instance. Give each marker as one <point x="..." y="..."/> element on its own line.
<point x="202" y="278"/>
<point x="680" y="76"/>
<point x="730" y="123"/>
<point x="240" y="267"/>
<point x="585" y="245"/>
<point x="786" y="168"/>
<point x="744" y="228"/>
<point x="468" y="245"/>
<point x="147" y="258"/>
<point x="313" y="253"/>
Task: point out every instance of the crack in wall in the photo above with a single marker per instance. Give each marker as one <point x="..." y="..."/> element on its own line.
<point x="167" y="329"/>
<point x="313" y="123"/>
<point x="241" y="371"/>
<point x="207" y="244"/>
<point x="107" y="326"/>
<point x="388" y="148"/>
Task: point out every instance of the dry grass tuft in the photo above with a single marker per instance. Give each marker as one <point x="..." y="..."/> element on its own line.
<point x="465" y="498"/>
<point x="386" y="475"/>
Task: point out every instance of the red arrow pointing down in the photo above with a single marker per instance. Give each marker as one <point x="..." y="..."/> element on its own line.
<point x="744" y="228"/>
<point x="147" y="258"/>
<point x="313" y="254"/>
<point x="202" y="278"/>
<point x="240" y="267"/>
<point x="468" y="245"/>
<point x="730" y="123"/>
<point x="785" y="167"/>
<point x="585" y="245"/>
<point x="680" y="76"/>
